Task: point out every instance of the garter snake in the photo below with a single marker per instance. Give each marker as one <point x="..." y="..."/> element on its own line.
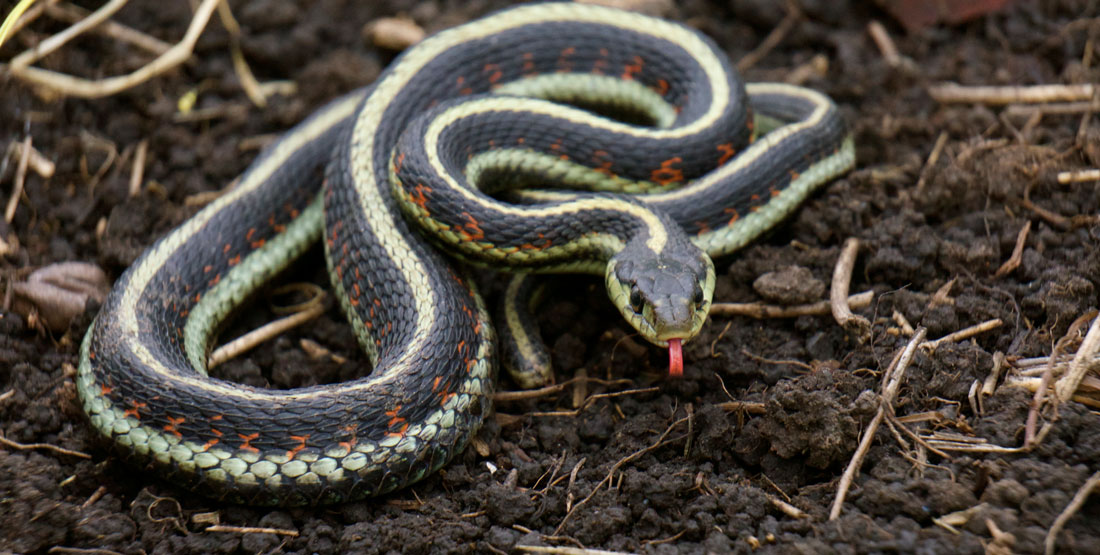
<point x="345" y="176"/>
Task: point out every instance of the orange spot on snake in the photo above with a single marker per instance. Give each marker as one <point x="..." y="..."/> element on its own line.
<point x="421" y="197"/>
<point x="494" y="72"/>
<point x="630" y="70"/>
<point x="170" y="427"/>
<point x="247" y="444"/>
<point x="476" y="232"/>
<point x="301" y="445"/>
<point x="133" y="410"/>
<point x="727" y="151"/>
<point x="667" y="174"/>
<point x="734" y="216"/>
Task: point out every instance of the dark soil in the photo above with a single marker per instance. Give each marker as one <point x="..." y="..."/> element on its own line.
<point x="711" y="484"/>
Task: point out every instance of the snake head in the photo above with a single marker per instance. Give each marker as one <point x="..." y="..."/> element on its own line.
<point x="665" y="295"/>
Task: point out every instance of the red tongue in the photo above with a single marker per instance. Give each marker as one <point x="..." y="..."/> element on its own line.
<point x="675" y="358"/>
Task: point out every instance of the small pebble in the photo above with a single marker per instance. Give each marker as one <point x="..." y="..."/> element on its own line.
<point x="789" y="286"/>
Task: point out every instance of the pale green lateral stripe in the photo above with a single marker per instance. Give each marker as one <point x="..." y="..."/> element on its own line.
<point x="362" y="334"/>
<point x="731" y="238"/>
<point x="586" y="89"/>
<point x="244" y="278"/>
<point x="552" y="170"/>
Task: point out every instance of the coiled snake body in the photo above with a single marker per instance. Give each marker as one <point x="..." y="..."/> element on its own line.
<point x="406" y="146"/>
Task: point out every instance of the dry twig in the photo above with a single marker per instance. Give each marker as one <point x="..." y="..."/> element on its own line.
<point x="1079" y="176"/>
<point x="933" y="157"/>
<point x="965" y="333"/>
<point x="592" y="399"/>
<point x="1071" y="509"/>
<point x="794" y="15"/>
<point x="762" y="311"/>
<point x="1014" y="261"/>
<point x="305" y="312"/>
<point x="838" y="292"/>
<point x="947" y="93"/>
<point x="1082" y="363"/>
<point x="504" y="396"/>
<point x="20" y="178"/>
<point x="615" y="468"/>
<point x="73" y="14"/>
<point x="85" y="88"/>
<point x="252" y="530"/>
<point x="41" y="165"/>
<point x="137" y="174"/>
<point x="564" y="550"/>
<point x="891" y="383"/>
<point x="46" y="446"/>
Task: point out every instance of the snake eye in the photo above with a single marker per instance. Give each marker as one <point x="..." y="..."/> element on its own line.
<point x="636" y="301"/>
<point x="698" y="296"/>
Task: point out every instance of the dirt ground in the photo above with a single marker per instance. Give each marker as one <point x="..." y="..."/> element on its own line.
<point x="746" y="452"/>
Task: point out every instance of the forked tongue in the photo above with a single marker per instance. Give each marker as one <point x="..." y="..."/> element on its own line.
<point x="675" y="358"/>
